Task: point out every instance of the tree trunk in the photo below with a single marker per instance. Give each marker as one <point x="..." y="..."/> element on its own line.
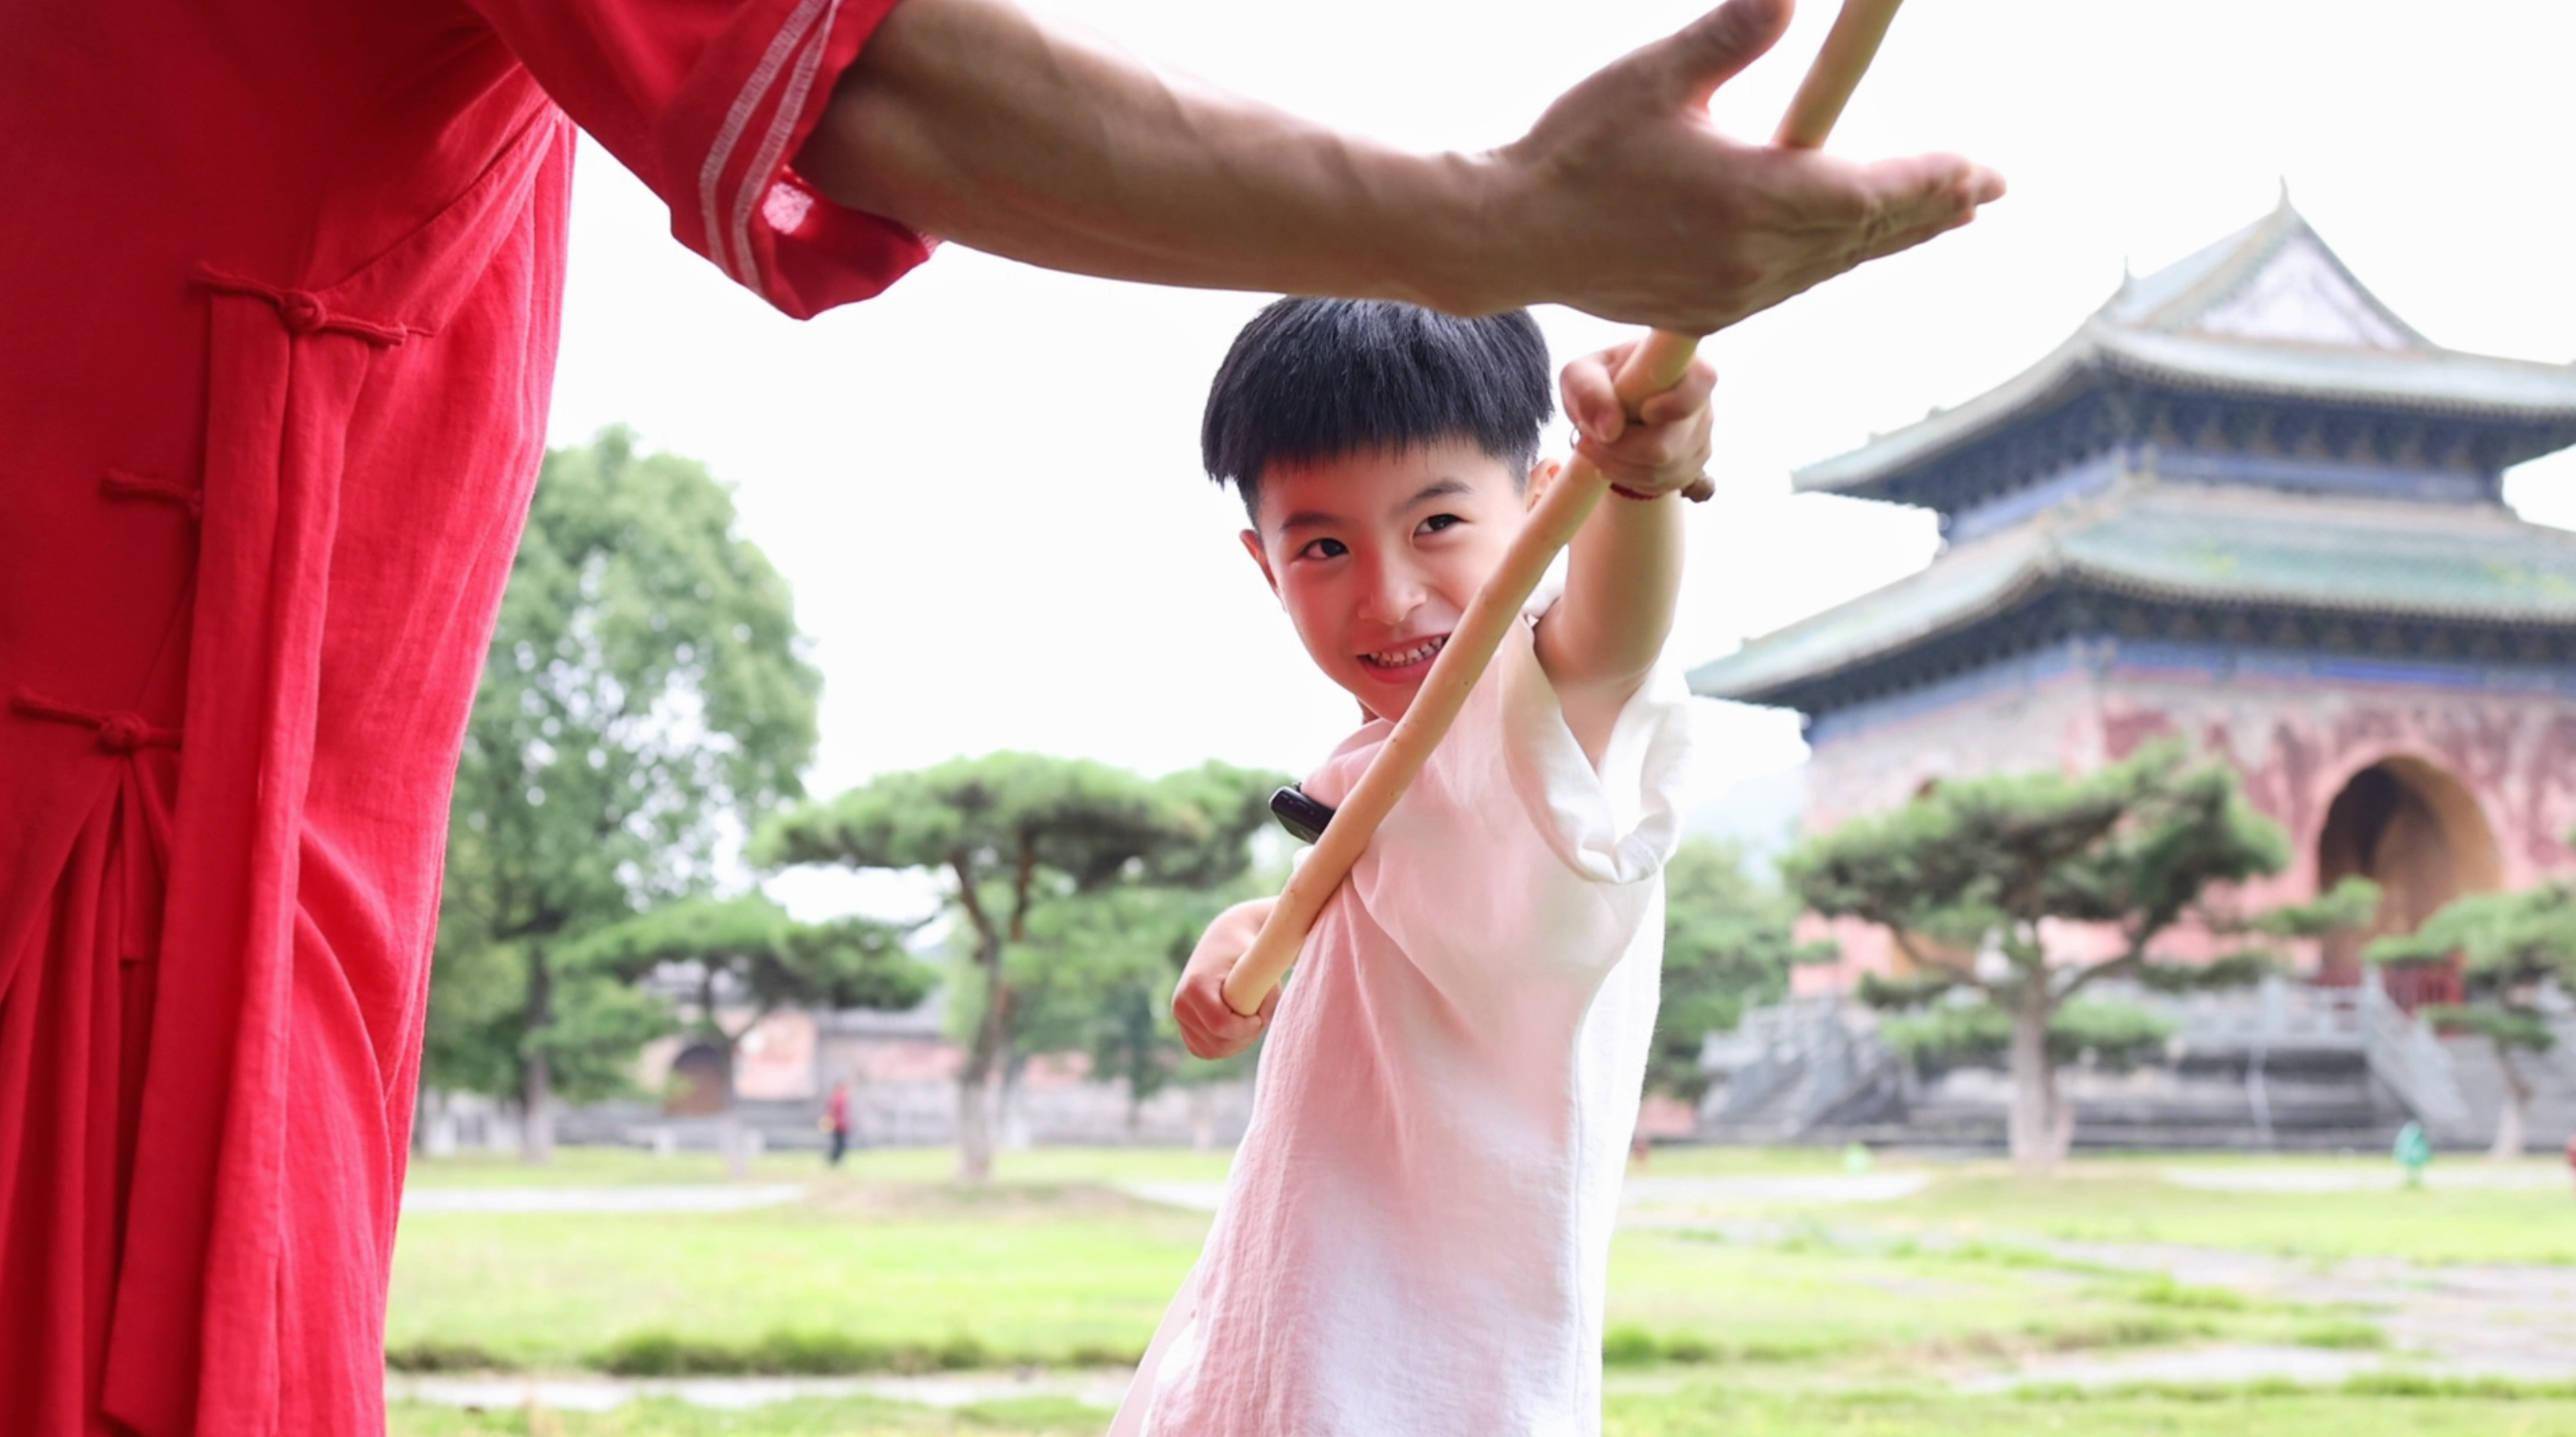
<point x="974" y="1124"/>
<point x="1202" y="1118"/>
<point x="537" y="1110"/>
<point x="2035" y="1132"/>
<point x="984" y="1056"/>
<point x="990" y="1041"/>
<point x="434" y="1133"/>
<point x="1010" y="1109"/>
<point x="536" y="1074"/>
<point x="737" y="1154"/>
<point x="2509" y="1116"/>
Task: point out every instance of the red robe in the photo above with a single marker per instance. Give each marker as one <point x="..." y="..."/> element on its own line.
<point x="281" y="288"/>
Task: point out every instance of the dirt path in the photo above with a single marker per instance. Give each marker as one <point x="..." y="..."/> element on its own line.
<point x="2464" y="1319"/>
<point x="2454" y="1320"/>
<point x="2526" y="1177"/>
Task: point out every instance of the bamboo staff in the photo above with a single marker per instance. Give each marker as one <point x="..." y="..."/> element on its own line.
<point x="1655" y="366"/>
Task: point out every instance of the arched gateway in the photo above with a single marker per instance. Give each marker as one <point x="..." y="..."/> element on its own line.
<point x="2411" y="827"/>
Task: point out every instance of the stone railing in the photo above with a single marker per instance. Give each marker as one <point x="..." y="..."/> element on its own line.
<point x="1790" y="1065"/>
<point x="2405" y="1055"/>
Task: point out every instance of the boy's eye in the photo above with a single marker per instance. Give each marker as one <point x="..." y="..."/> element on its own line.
<point x="1322" y="549"/>
<point x="1438" y="522"/>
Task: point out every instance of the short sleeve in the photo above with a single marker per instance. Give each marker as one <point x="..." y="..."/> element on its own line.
<point x="1616" y="824"/>
<point x="1509" y="853"/>
<point x="708" y="101"/>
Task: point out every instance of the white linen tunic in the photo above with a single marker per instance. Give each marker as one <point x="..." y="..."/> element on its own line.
<point x="1415" y="1233"/>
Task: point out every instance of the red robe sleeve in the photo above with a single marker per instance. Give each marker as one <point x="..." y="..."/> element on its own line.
<point x="708" y="101"/>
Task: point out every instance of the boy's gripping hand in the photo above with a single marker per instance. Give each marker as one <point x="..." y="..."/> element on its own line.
<point x="1209" y="1025"/>
<point x="1624" y="568"/>
<point x="1664" y="448"/>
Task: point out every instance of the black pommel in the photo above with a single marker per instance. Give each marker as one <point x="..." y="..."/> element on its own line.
<point x="1299" y="814"/>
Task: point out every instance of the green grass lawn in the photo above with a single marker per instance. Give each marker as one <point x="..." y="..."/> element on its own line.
<point x="2128" y="1202"/>
<point x="1034" y="1272"/>
<point x="1753" y="1318"/>
<point x="923" y="1274"/>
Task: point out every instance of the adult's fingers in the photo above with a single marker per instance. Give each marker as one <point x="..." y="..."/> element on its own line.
<point x="1924" y="189"/>
<point x="1685" y="68"/>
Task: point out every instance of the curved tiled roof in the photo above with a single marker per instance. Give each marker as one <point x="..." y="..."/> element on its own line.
<point x="2268" y="310"/>
<point x="2193" y="543"/>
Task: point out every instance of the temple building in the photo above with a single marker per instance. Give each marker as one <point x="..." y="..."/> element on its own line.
<point x="2246" y="504"/>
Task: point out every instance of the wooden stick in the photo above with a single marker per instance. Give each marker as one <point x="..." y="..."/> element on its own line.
<point x="1848" y="49"/>
<point x="1653" y="367"/>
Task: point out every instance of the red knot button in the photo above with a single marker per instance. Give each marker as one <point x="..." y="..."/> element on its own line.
<point x="121" y="733"/>
<point x="303" y="313"/>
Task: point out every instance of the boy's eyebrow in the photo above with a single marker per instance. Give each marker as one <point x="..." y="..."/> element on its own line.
<point x="1319" y="519"/>
<point x="1437" y="489"/>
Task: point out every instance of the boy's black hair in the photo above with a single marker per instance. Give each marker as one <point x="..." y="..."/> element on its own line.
<point x="1312" y="379"/>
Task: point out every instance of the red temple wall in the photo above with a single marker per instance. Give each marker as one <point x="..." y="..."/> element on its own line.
<point x="2295" y="743"/>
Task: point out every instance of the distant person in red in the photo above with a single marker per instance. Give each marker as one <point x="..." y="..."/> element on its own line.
<point x="836" y="1121"/>
<point x="281" y="288"/>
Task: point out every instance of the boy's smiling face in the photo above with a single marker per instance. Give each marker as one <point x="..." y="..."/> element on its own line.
<point x="1376" y="556"/>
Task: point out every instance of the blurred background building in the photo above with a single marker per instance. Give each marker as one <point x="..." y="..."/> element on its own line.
<point x="2245" y="504"/>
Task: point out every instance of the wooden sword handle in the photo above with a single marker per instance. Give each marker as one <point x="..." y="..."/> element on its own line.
<point x="1653" y="367"/>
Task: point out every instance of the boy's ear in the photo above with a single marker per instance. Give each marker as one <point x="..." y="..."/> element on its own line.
<point x="1542" y="474"/>
<point x="1252" y="545"/>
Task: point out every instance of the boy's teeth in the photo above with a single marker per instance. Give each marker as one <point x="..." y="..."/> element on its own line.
<point x="1416" y="654"/>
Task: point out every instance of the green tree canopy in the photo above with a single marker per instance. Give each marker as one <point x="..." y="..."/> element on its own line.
<point x="646" y="695"/>
<point x="1976" y="879"/>
<point x="749" y="952"/>
<point x="1015" y="834"/>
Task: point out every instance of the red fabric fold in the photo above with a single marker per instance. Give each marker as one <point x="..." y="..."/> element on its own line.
<point x="290" y="273"/>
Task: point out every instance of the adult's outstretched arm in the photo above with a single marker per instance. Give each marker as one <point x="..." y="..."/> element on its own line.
<point x="973" y="121"/>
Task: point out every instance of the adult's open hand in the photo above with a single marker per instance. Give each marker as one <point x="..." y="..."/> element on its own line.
<point x="974" y="120"/>
<point x="1627" y="201"/>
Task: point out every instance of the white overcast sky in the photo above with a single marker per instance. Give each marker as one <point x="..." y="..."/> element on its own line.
<point x="984" y="486"/>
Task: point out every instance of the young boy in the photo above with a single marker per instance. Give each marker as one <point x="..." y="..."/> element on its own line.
<point x="1416" y="1229"/>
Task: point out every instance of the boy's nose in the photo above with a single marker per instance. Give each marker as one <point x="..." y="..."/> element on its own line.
<point x="1392" y="598"/>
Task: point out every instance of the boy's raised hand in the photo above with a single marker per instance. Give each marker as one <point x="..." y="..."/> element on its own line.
<point x="1210" y="1027"/>
<point x="1663" y="448"/>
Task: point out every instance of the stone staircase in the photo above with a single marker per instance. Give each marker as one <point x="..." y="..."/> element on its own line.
<point x="1794" y="1068"/>
<point x="2549" y="1119"/>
